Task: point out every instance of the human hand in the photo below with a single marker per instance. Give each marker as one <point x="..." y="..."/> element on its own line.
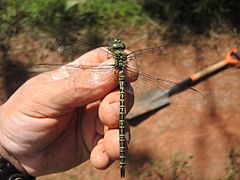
<point x="57" y="120"/>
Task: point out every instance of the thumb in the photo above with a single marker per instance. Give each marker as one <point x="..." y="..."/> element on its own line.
<point x="83" y="81"/>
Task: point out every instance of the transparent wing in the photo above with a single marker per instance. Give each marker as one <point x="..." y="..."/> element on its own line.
<point x="137" y="54"/>
<point x="165" y="73"/>
<point x="95" y="73"/>
<point x="72" y="46"/>
<point x="39" y="68"/>
<point x="159" y="75"/>
<point x="152" y="93"/>
<point x="14" y="74"/>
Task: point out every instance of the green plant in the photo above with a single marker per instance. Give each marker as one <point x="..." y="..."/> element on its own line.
<point x="16" y="15"/>
<point x="176" y="168"/>
<point x="94" y="16"/>
<point x="232" y="170"/>
<point x="197" y="16"/>
<point x="179" y="166"/>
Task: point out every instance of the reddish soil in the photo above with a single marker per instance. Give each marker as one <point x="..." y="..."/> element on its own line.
<point x="198" y="141"/>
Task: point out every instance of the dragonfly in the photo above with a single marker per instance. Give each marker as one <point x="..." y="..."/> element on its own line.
<point x="126" y="63"/>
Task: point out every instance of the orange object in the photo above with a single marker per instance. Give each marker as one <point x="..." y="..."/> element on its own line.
<point x="232" y="57"/>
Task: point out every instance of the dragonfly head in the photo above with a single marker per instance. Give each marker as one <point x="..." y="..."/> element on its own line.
<point x="117" y="44"/>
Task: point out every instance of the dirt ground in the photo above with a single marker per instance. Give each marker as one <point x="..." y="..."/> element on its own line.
<point x="191" y="141"/>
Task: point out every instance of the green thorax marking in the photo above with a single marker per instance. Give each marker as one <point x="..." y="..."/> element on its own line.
<point x="117" y="47"/>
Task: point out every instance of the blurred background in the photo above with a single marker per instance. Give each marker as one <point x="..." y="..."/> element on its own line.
<point x="198" y="141"/>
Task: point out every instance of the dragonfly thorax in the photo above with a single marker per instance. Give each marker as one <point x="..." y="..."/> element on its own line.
<point x="120" y="59"/>
<point x="117" y="48"/>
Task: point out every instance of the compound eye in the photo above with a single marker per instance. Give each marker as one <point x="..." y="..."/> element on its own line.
<point x="117" y="45"/>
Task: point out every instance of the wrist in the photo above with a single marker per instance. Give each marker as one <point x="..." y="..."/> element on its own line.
<point x="10" y="168"/>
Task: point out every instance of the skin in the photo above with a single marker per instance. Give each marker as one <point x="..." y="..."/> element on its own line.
<point x="59" y="119"/>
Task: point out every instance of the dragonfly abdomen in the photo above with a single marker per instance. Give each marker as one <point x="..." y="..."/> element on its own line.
<point x="122" y="138"/>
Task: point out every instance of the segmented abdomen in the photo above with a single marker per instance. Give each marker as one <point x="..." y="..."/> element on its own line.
<point x="122" y="138"/>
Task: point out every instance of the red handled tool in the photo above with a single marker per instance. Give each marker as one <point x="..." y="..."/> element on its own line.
<point x="231" y="59"/>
